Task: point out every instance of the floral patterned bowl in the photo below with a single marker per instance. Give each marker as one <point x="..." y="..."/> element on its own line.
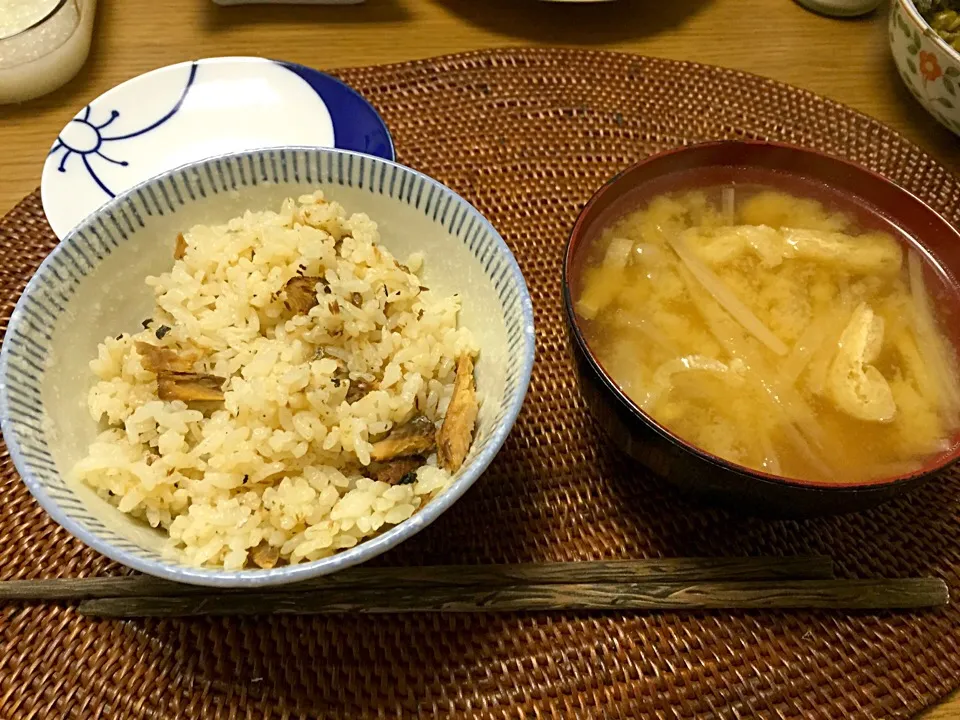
<point x="930" y="68"/>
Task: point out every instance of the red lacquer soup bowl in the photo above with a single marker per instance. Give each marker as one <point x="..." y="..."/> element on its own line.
<point x="875" y="203"/>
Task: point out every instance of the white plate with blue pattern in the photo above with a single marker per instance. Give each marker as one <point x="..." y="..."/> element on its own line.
<point x="193" y="110"/>
<point x="92" y="285"/>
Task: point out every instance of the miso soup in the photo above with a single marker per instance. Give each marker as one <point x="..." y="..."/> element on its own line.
<point x="773" y="331"/>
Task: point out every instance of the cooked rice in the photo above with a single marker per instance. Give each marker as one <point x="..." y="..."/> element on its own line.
<point x="282" y="460"/>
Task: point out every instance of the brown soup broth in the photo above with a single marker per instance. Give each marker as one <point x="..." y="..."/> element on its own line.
<point x="783" y="337"/>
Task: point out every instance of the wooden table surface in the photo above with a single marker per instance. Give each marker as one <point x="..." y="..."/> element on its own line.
<point x="847" y="60"/>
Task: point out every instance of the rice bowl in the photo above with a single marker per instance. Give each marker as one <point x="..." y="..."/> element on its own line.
<point x="92" y="286"/>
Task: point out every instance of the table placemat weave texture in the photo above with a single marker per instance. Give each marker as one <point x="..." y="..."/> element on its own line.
<point x="527" y="136"/>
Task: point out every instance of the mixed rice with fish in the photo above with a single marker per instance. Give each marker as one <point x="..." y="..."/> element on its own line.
<point x="296" y="390"/>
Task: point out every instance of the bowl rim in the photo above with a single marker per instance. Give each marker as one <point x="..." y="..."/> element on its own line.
<point x="928" y="30"/>
<point x="364" y="550"/>
<point x="576" y="236"/>
<point x="37" y="23"/>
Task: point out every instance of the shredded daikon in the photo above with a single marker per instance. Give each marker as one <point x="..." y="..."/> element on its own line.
<point x="932" y="348"/>
<point x="905" y="343"/>
<point x="816" y="347"/>
<point x="663" y="376"/>
<point x="727" y="299"/>
<point x="721" y="326"/>
<point x="819" y="363"/>
<point x="729" y="207"/>
<point x="808" y="453"/>
<point x="647" y="329"/>
<point x="648" y="252"/>
<point x="791" y="407"/>
<point x="618" y="252"/>
<point x="718" y="246"/>
<point x="804" y="348"/>
<point x="769" y="462"/>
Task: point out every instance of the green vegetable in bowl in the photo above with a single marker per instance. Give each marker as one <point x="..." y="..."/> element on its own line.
<point x="944" y="18"/>
<point x="946" y="23"/>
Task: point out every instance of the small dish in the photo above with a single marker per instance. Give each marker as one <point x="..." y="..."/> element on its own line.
<point x="711" y="164"/>
<point x="186" y="112"/>
<point x="92" y="286"/>
<point x="929" y="67"/>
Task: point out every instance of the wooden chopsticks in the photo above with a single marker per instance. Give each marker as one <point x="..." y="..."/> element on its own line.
<point x="745" y="595"/>
<point x="667" y="584"/>
<point x="804" y="567"/>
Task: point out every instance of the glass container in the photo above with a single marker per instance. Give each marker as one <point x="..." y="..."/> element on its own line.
<point x="43" y="44"/>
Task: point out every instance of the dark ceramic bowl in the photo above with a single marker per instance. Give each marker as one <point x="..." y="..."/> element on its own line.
<point x="875" y="202"/>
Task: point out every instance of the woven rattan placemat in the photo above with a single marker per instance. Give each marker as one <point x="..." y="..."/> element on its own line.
<point x="527" y="136"/>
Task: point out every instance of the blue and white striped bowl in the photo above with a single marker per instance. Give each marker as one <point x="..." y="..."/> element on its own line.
<point x="91" y="286"/>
